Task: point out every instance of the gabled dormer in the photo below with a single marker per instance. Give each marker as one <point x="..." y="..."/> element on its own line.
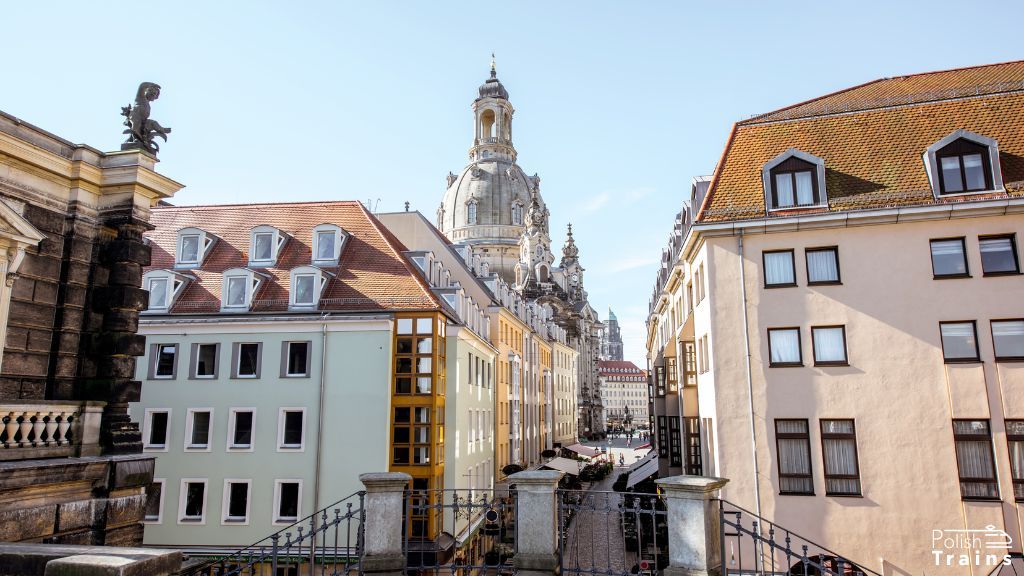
<point x="164" y="287"/>
<point x="328" y="240"/>
<point x="265" y="245"/>
<point x="963" y="163"/>
<point x="193" y="245"/>
<point x="238" y="289"/>
<point x="307" y="286"/>
<point x="794" y="179"/>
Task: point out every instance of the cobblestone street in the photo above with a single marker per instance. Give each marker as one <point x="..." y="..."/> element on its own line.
<point x="594" y="541"/>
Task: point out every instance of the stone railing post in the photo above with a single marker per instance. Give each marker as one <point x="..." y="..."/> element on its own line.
<point x="694" y="525"/>
<point x="384" y="507"/>
<point x="536" y="522"/>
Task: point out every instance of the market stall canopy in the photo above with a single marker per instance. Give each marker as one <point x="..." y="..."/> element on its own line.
<point x="564" y="465"/>
<point x="643" y="469"/>
<point x="584" y="450"/>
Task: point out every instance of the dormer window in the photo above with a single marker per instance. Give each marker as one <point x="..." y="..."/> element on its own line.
<point x="238" y="288"/>
<point x="794" y="179"/>
<point x="471" y="212"/>
<point x="164" y="287"/>
<point x="193" y="246"/>
<point x="327" y="242"/>
<point x="307" y="285"/>
<point x="963" y="163"/>
<point x="265" y="245"/>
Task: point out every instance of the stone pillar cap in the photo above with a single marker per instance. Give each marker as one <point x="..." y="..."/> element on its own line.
<point x="698" y="484"/>
<point x="536" y="477"/>
<point x="379" y="480"/>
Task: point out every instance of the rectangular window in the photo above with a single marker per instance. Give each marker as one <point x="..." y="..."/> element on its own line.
<point x="303" y="290"/>
<point x="291" y="429"/>
<point x="998" y="255"/>
<point x="839" y="457"/>
<point x="662" y="438"/>
<point x="296" y="359"/>
<point x="793" y="444"/>
<point x="263" y="248"/>
<point x="671" y="375"/>
<point x="325" y="245"/>
<point x="959" y="341"/>
<point x="659" y="380"/>
<point x="1008" y="339"/>
<point x="157" y="293"/>
<point x="778" y="269"/>
<point x="951" y="175"/>
<point x="157" y="423"/>
<point x="949" y="258"/>
<point x="822" y="265"/>
<point x="784" y="347"/>
<point x="975" y="460"/>
<point x="204" y="358"/>
<point x="165" y="365"/>
<point x="189" y="248"/>
<point x="675" y="443"/>
<point x="829" y="343"/>
<point x="247" y="360"/>
<point x="1015" y="440"/>
<point x="192" y="503"/>
<point x="287" y="495"/>
<point x="236" y="501"/>
<point x="240" y="429"/>
<point x="155" y="501"/>
<point x="784" y="190"/>
<point x="236" y="291"/>
<point x="197" y="429"/>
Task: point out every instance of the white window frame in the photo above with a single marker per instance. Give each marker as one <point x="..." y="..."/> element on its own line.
<point x="194" y="361"/>
<point x="320" y="278"/>
<point x="275" y="518"/>
<point x="160" y="507"/>
<point x="253" y="281"/>
<point x="287" y="353"/>
<point x="226" y="520"/>
<point x="819" y="175"/>
<point x="230" y="445"/>
<point x="147" y="424"/>
<point x="932" y="166"/>
<point x="205" y="243"/>
<point x="188" y="446"/>
<point x="339" y="240"/>
<point x="236" y="369"/>
<point x="183" y="493"/>
<point x="281" y="447"/>
<point x="154" y="362"/>
<point x="175" y="286"/>
<point x="277" y="241"/>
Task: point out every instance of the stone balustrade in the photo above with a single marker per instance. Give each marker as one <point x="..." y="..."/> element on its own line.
<point x="48" y="429"/>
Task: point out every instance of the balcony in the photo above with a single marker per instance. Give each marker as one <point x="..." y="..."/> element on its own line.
<point x="31" y="429"/>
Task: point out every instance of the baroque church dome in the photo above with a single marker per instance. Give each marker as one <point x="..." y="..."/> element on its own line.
<point x="486" y="203"/>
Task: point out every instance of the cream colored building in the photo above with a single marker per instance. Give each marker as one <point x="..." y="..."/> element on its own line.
<point x="843" y="320"/>
<point x="623" y="395"/>
<point x="564" y="419"/>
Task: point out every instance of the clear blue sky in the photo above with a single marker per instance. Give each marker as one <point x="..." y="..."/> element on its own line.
<point x="618" y="104"/>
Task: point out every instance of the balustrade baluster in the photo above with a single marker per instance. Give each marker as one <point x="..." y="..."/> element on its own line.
<point x="37" y="428"/>
<point x="25" y="423"/>
<point x="51" y="427"/>
<point x="10" y="427"/>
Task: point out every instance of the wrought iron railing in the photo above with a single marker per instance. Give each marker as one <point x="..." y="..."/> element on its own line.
<point x="456" y="531"/>
<point x="327" y="542"/>
<point x="753" y="546"/>
<point x="611" y="533"/>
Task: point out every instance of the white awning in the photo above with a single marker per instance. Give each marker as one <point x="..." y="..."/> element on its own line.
<point x="584" y="450"/>
<point x="563" y="465"/>
<point x="643" y="469"/>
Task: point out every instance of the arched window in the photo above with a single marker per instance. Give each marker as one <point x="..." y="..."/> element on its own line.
<point x="487" y="124"/>
<point x="517" y="213"/>
<point x="471" y="212"/>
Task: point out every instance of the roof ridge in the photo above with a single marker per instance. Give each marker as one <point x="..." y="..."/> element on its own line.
<point x="391" y="240"/>
<point x="766" y="115"/>
<point x="250" y="204"/>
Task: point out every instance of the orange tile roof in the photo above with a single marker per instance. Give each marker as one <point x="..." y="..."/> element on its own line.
<point x="872" y="138"/>
<point x="618" y="368"/>
<point x="372" y="274"/>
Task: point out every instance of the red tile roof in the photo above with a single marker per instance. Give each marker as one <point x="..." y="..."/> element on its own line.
<point x="372" y="274"/>
<point x="618" y="368"/>
<point x="872" y="138"/>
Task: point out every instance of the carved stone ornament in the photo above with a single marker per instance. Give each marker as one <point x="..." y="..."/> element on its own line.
<point x="141" y="130"/>
<point x="476" y="171"/>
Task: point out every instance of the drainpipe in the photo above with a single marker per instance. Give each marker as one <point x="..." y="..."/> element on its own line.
<point x="320" y="416"/>
<point x="750" y="383"/>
